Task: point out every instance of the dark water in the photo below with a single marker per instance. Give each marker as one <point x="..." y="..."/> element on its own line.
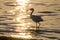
<point x="15" y="20"/>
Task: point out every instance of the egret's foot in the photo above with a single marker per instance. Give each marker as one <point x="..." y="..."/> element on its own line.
<point x="37" y="31"/>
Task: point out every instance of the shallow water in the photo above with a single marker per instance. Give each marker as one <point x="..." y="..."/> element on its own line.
<point x="15" y="20"/>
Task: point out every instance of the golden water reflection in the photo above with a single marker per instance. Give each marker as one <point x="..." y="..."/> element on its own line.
<point x="15" y="20"/>
<point x="20" y="18"/>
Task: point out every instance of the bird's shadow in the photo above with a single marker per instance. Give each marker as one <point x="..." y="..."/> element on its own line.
<point x="43" y="31"/>
<point x="40" y="32"/>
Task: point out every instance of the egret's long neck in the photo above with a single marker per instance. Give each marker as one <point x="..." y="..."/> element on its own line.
<point x="31" y="12"/>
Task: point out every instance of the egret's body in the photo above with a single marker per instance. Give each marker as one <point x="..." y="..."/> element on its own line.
<point x="35" y="18"/>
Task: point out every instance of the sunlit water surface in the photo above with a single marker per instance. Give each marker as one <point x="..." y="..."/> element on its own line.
<point x="15" y="19"/>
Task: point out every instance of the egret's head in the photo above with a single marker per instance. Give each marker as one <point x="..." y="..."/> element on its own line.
<point x="32" y="9"/>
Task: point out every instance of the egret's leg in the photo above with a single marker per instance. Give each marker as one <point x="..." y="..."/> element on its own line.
<point x="39" y="24"/>
<point x="36" y="25"/>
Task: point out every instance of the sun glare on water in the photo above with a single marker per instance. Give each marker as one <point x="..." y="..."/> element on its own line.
<point x="22" y="2"/>
<point x="19" y="18"/>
